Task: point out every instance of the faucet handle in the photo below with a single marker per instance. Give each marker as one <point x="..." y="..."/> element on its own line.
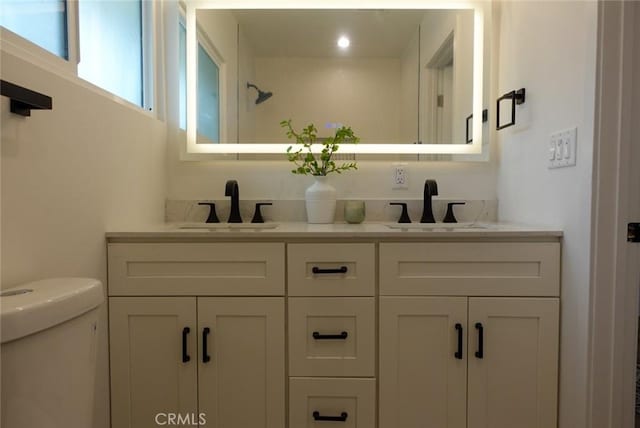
<point x="213" y="218"/>
<point x="404" y="217"/>
<point x="449" y="216"/>
<point x="257" y="216"/>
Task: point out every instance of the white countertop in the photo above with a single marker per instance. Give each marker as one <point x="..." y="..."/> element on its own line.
<point x="290" y="230"/>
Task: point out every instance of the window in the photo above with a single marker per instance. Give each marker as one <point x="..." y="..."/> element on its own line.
<point x="208" y="96"/>
<point x="110" y="44"/>
<point x="111" y="47"/>
<point x="43" y="22"/>
<point x="208" y="88"/>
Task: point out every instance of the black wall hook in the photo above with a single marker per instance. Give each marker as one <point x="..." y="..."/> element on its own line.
<point x="516" y="97"/>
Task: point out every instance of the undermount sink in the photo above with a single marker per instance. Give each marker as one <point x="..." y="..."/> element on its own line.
<point x="229" y="226"/>
<point x="435" y="227"/>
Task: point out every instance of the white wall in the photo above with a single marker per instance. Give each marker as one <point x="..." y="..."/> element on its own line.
<point x="363" y="93"/>
<point x="68" y="175"/>
<point x="372" y="180"/>
<point x="549" y="48"/>
<point x="409" y="89"/>
<point x="247" y="98"/>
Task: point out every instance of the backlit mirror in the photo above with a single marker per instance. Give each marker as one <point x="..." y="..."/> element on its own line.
<point x="403" y="79"/>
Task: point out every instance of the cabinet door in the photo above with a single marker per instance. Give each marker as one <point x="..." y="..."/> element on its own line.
<point x="514" y="382"/>
<point x="149" y="378"/>
<point x="422" y="380"/>
<point x="242" y="383"/>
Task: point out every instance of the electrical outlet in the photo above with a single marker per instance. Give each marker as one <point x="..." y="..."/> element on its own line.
<point x="400" y="179"/>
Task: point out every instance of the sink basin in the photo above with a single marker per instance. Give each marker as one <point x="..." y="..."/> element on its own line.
<point x="229" y="226"/>
<point x="437" y="227"/>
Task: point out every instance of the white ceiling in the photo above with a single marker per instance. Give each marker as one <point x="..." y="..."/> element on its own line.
<point x="314" y="33"/>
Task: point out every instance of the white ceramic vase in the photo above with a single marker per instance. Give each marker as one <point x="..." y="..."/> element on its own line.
<point x="320" y="200"/>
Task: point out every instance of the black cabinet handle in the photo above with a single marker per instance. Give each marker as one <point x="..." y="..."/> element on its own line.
<point x="341" y="269"/>
<point x="458" y="353"/>
<point x="480" y="351"/>
<point x="319" y="336"/>
<point x="205" y="356"/>
<point x="342" y="418"/>
<point x="185" y="357"/>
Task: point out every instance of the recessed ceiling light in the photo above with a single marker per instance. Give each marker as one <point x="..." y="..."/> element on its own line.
<point x="343" y="42"/>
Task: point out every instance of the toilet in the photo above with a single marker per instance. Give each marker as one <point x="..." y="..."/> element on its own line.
<point x="49" y="332"/>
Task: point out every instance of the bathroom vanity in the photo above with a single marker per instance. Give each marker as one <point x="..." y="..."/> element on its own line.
<point x="335" y="325"/>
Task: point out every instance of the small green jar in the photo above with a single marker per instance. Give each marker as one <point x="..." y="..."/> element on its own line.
<point x="354" y="211"/>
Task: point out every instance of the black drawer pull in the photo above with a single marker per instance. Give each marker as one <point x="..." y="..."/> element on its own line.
<point x="205" y="356"/>
<point x="342" y="418"/>
<point x="341" y="269"/>
<point x="458" y="353"/>
<point x="480" y="351"/>
<point x="185" y="357"/>
<point x="316" y="335"/>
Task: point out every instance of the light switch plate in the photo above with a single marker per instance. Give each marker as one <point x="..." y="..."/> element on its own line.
<point x="562" y="148"/>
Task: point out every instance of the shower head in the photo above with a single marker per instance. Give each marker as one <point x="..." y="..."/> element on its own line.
<point x="262" y="96"/>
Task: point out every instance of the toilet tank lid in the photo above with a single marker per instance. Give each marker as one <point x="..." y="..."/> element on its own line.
<point x="38" y="305"/>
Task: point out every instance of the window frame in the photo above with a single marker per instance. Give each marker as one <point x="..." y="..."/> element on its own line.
<point x="149" y="19"/>
<point x="23" y="48"/>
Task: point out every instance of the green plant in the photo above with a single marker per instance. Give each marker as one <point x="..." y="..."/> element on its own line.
<point x="320" y="164"/>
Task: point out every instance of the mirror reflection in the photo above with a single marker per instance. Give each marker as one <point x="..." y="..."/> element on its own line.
<point x="394" y="76"/>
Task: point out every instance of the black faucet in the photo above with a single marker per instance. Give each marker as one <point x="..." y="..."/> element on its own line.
<point x="430" y="189"/>
<point x="231" y="189"/>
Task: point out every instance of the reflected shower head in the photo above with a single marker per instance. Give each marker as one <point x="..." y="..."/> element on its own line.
<point x="262" y="96"/>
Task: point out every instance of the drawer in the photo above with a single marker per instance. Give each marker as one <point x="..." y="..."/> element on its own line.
<point x="332" y="336"/>
<point x="470" y="269"/>
<point x="331" y="269"/>
<point x="350" y="399"/>
<point x="203" y="269"/>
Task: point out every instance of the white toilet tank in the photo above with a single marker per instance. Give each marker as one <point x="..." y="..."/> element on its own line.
<point x="49" y="337"/>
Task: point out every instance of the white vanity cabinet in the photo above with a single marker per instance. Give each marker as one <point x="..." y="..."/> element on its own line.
<point x="307" y="331"/>
<point x="214" y="359"/>
<point x="467" y="360"/>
